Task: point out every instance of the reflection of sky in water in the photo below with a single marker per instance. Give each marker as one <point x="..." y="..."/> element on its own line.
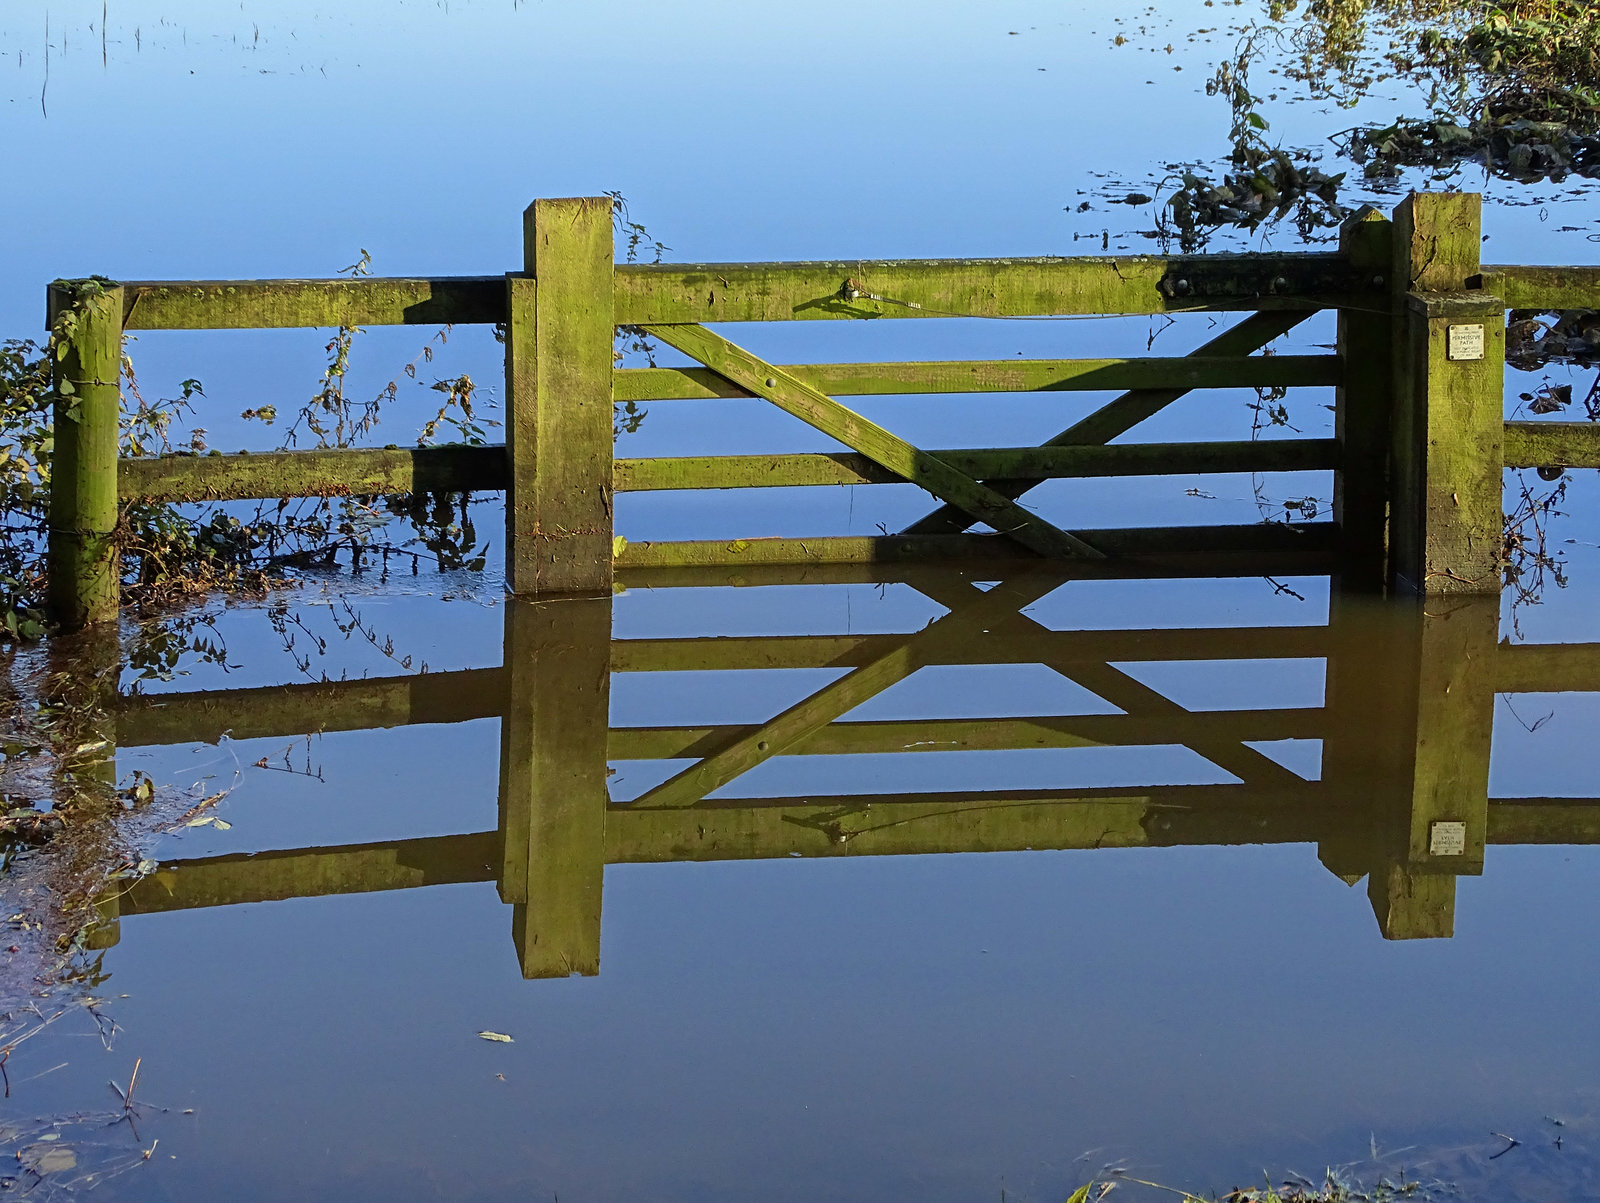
<point x="796" y="1029"/>
<point x="816" y="131"/>
<point x="940" y="1027"/>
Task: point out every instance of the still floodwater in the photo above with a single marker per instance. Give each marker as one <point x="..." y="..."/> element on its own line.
<point x="791" y="988"/>
<point x="981" y="885"/>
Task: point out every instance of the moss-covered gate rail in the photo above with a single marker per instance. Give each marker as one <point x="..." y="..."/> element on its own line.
<point x="1402" y="796"/>
<point x="1418" y="449"/>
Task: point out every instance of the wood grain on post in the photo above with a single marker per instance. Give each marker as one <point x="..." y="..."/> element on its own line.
<point x="559" y="340"/>
<point x="1446" y="527"/>
<point x="83" y="576"/>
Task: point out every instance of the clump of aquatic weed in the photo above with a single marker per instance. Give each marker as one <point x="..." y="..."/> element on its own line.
<point x="1515" y="90"/>
<point x="1262" y="185"/>
<point x="1337" y="1186"/>
<point x="70" y="832"/>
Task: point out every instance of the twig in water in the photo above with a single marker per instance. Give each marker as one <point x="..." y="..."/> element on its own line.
<point x="127" y="1099"/>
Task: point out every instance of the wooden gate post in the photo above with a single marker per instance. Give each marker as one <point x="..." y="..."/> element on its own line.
<point x="84" y="581"/>
<point x="559" y="340"/>
<point x="1447" y="527"/>
<point x="1363" y="405"/>
<point x="553" y="790"/>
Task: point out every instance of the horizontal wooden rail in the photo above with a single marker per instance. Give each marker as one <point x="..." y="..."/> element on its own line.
<point x="1528" y="287"/>
<point x="285" y="711"/>
<point x="380" y="471"/>
<point x="1214" y="815"/>
<point x="779" y="291"/>
<point x="729" y="292"/>
<point x="1547" y="668"/>
<point x="982" y="735"/>
<point x="990" y="288"/>
<point x="277" y="304"/>
<point x="1554" y="444"/>
<point x="1544" y="820"/>
<point x="277" y="876"/>
<point x="998" y="376"/>
<point x="1088" y="647"/>
<point x="850" y="468"/>
<point x="1128" y="545"/>
<point x="345" y="472"/>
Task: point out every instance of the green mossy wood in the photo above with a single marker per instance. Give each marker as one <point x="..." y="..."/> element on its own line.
<point x="883" y="448"/>
<point x="559" y="343"/>
<point x="1447" y="433"/>
<point x="84" y="585"/>
<point x="1552" y="444"/>
<point x="781" y="292"/>
<point x="1417" y="453"/>
<point x="1125" y="412"/>
<point x="998" y="376"/>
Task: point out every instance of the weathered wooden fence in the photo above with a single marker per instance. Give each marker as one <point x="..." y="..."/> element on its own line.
<point x="1402" y="798"/>
<point x="1417" y="453"/>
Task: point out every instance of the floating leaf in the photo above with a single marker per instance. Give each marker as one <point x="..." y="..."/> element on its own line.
<point x="497" y="1037"/>
<point x="48" y="1159"/>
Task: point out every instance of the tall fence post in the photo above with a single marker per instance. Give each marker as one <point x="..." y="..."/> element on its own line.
<point x="559" y="340"/>
<point x="1363" y="405"/>
<point x="553" y="780"/>
<point x="1447" y="526"/>
<point x="84" y="582"/>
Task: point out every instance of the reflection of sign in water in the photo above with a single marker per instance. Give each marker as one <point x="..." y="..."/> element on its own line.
<point x="1447" y="839"/>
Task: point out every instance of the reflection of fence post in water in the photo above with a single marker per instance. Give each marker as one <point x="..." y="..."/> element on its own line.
<point x="83" y="582"/>
<point x="1449" y="428"/>
<point x="1411" y="714"/>
<point x="83" y="669"/>
<point x="553" y="790"/>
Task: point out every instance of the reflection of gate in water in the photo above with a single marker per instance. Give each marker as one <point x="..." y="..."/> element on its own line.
<point x="1403" y="799"/>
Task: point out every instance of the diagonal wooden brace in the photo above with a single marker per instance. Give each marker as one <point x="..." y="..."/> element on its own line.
<point x="1121" y="415"/>
<point x="838" y="698"/>
<point x="1128" y="694"/>
<point x="980" y="503"/>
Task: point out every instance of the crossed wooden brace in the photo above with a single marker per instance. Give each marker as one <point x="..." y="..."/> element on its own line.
<point x="966" y="500"/>
<point x="992" y="612"/>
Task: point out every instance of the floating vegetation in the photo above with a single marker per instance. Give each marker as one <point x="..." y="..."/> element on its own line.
<point x="1262" y="185"/>
<point x="1514" y="90"/>
<point x="1264" y="191"/>
<point x="1535" y="338"/>
<point x="1519" y="148"/>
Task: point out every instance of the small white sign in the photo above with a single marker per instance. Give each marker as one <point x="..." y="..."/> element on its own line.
<point x="1465" y="342"/>
<point x="1447" y="839"/>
